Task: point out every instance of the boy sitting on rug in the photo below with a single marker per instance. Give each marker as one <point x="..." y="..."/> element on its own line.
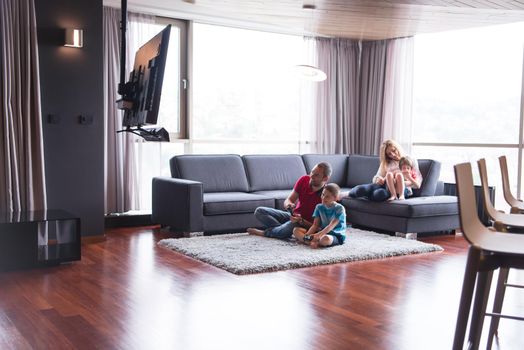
<point x="329" y="224"/>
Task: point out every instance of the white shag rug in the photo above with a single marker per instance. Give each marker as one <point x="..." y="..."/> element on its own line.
<point x="243" y="254"/>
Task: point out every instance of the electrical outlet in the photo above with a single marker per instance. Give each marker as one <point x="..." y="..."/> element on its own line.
<point x="53" y="118"/>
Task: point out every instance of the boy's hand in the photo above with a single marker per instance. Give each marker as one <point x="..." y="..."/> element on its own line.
<point x="380" y="180"/>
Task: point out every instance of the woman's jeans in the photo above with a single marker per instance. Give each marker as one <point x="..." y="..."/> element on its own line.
<point x="373" y="192"/>
<point x="277" y="222"/>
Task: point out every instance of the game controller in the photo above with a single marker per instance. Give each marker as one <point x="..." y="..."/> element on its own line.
<point x="308" y="238"/>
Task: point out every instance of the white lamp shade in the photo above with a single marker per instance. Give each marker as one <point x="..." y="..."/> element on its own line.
<point x="310" y="72"/>
<point x="74" y="38"/>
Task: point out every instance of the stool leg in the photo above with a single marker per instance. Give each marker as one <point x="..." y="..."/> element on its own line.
<point x="497" y="304"/>
<point x="468" y="285"/>
<point x="484" y="279"/>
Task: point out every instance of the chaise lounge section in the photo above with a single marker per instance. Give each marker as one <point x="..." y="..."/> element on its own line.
<point x="219" y="193"/>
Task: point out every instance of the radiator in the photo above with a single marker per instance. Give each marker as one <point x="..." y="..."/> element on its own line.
<point x="450" y="189"/>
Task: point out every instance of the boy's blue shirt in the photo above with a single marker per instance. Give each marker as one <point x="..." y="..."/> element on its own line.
<point x="327" y="214"/>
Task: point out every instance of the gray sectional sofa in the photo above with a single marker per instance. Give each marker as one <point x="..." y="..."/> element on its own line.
<point x="219" y="193"/>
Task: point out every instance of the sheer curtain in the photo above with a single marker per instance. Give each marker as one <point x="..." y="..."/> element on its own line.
<point x="122" y="149"/>
<point x="398" y="92"/>
<point x="367" y="96"/>
<point x="373" y="68"/>
<point x="336" y="102"/>
<point x="22" y="172"/>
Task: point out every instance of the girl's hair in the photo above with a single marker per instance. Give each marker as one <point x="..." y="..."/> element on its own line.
<point x="405" y="161"/>
<point x="333" y="189"/>
<point x="383" y="156"/>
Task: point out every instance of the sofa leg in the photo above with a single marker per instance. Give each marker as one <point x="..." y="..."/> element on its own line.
<point x="410" y="235"/>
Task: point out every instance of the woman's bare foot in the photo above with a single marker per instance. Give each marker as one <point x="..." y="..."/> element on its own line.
<point x="255" y="231"/>
<point x="390" y="199"/>
<point x="401" y="198"/>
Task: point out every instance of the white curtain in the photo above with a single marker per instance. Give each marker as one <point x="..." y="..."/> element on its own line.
<point x="398" y="92"/>
<point x="372" y="73"/>
<point x="336" y="102"/>
<point x="367" y="96"/>
<point x="22" y="171"/>
<point x="122" y="149"/>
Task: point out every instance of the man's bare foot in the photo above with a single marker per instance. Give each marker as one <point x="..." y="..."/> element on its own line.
<point x="255" y="231"/>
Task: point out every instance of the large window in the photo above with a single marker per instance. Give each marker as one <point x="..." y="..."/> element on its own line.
<point x="467" y="99"/>
<point x="245" y="95"/>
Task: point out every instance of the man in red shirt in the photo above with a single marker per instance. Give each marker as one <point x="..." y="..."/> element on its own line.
<point x="302" y="200"/>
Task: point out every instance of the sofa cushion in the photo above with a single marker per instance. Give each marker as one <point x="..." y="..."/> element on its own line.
<point x="234" y="203"/>
<point x="361" y="169"/>
<point x="218" y="173"/>
<point x="338" y="164"/>
<point x="279" y="196"/>
<point x="409" y="208"/>
<point x="273" y="172"/>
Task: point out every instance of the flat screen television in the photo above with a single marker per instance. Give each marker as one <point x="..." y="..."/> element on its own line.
<point x="144" y="87"/>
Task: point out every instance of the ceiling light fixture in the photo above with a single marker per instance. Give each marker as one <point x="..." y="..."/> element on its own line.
<point x="307" y="71"/>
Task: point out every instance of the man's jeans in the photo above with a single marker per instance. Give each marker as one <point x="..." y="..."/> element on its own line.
<point x="276" y="222"/>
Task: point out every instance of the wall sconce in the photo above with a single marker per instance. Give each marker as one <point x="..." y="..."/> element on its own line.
<point x="74" y="38"/>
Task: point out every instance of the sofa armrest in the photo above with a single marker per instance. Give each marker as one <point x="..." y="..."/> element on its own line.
<point x="439" y="190"/>
<point x="178" y="203"/>
<point x="429" y="182"/>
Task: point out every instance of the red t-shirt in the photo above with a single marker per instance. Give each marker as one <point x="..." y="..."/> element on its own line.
<point x="307" y="199"/>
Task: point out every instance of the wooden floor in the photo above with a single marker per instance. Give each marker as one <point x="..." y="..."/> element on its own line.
<point x="128" y="293"/>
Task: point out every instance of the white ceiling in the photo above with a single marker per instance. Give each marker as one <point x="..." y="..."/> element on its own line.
<point x="358" y="19"/>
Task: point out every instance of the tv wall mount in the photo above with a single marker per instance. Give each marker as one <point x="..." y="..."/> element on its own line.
<point x="141" y="93"/>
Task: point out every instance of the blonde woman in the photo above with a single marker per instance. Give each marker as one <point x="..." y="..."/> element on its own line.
<point x="388" y="175"/>
<point x="389" y="170"/>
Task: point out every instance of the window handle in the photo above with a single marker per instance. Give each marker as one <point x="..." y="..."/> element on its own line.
<point x="184" y="84"/>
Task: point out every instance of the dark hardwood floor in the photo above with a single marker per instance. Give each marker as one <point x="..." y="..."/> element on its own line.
<point x="128" y="293"/>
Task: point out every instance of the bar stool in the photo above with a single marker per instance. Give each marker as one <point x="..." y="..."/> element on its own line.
<point x="502" y="221"/>
<point x="517" y="205"/>
<point x="505" y="223"/>
<point x="489" y="250"/>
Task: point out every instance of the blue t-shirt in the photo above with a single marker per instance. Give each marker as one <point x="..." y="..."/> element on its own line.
<point x="337" y="211"/>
